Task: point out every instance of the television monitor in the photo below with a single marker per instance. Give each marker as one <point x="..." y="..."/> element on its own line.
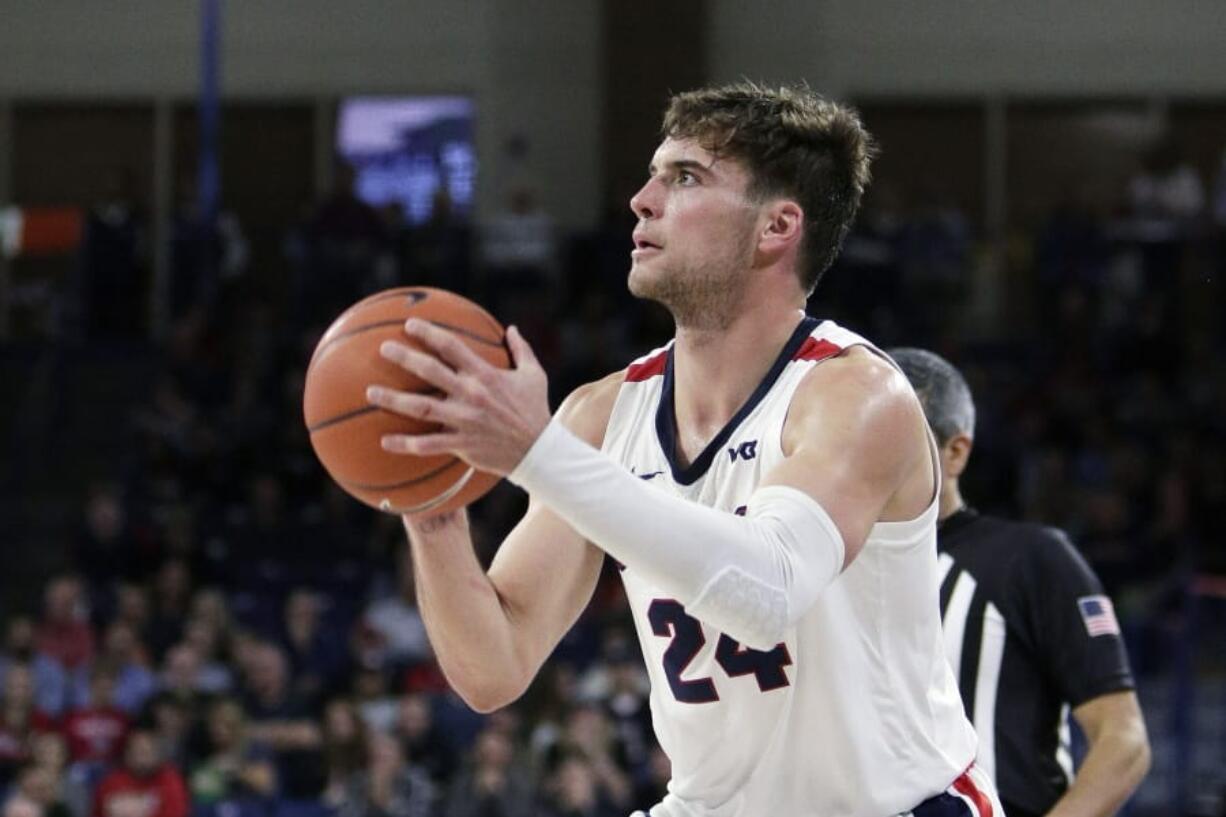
<point x="404" y="148"/>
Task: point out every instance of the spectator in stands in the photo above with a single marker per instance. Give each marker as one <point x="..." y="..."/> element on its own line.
<point x="172" y="593"/>
<point x="549" y="702"/>
<point x="376" y="704"/>
<point x="73" y="785"/>
<point x="283" y="722"/>
<point x="423" y="740"/>
<point x="20" y="721"/>
<point x="591" y="738"/>
<point x="173" y="721"/>
<point x="317" y="658"/>
<point x="144" y="786"/>
<point x="214" y="676"/>
<point x="261" y="532"/>
<point x="181" y="677"/>
<point x="63" y="633"/>
<point x="345" y="747"/>
<point x="438" y="252"/>
<point x="388" y="786"/>
<point x="18" y="806"/>
<point x="653" y="785"/>
<point x="112" y="265"/>
<point x="38" y="785"/>
<point x="490" y="785"/>
<point x="394" y="625"/>
<point x="574" y="791"/>
<point x="107" y="548"/>
<point x="95" y="731"/>
<point x="133" y="609"/>
<point x="519" y="254"/>
<point x="134" y="680"/>
<point x="204" y="256"/>
<point x="234" y="767"/>
<point x="344" y="237"/>
<point x="210" y="606"/>
<point x="53" y="685"/>
<point x="626" y="704"/>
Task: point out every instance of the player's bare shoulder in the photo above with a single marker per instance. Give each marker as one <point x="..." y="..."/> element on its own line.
<point x="586" y="410"/>
<point x="859" y="410"/>
<point x="858" y="384"/>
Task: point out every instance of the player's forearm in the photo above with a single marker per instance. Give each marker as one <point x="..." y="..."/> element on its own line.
<point x="468" y="626"/>
<point x="750" y="577"/>
<point x="1114" y="766"/>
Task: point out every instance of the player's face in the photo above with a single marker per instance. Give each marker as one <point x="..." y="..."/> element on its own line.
<point x="695" y="236"/>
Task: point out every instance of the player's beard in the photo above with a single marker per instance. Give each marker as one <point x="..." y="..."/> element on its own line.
<point x="703" y="295"/>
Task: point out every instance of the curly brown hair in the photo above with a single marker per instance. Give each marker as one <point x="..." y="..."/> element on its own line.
<point x="794" y="144"/>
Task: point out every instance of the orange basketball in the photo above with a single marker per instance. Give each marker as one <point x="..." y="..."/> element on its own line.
<point x="345" y="429"/>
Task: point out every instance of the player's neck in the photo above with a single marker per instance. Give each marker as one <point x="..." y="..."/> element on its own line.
<point x="716" y="370"/>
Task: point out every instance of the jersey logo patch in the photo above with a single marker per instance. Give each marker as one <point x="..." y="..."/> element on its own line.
<point x="745" y="451"/>
<point x="1099" y="615"/>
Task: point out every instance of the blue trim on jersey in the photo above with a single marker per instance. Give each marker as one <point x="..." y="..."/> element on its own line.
<point x="943" y="805"/>
<point x="666" y="415"/>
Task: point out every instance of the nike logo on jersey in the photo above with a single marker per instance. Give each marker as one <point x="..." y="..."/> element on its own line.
<point x="651" y="475"/>
<point x="745" y="451"/>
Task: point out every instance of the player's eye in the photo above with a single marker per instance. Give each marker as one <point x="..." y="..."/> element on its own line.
<point x="686" y="177"/>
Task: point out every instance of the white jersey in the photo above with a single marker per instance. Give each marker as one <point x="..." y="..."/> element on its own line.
<point x="856" y="713"/>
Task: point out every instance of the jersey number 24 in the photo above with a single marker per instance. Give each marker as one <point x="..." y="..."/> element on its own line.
<point x="669" y="619"/>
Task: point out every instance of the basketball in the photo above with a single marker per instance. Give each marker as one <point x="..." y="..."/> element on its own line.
<point x="345" y="429"/>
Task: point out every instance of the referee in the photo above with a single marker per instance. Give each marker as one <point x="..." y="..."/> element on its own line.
<point x="1030" y="636"/>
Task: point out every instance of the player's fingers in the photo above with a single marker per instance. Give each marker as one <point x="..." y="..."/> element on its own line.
<point x="421" y="445"/>
<point x="420" y="406"/>
<point x="447" y="345"/>
<point x="425" y="366"/>
<point x="521" y="352"/>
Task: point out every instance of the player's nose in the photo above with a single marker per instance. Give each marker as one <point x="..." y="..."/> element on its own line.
<point x="647" y="203"/>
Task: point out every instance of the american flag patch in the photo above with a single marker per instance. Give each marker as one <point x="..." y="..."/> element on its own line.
<point x="1098" y="615"/>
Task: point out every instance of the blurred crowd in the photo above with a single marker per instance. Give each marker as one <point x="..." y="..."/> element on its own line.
<point x="232" y="635"/>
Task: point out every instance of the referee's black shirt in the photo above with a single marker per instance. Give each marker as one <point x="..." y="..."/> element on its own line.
<point x="1018" y="605"/>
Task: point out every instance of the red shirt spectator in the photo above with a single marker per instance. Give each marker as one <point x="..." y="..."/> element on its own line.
<point x="144" y="786"/>
<point x="96" y="731"/>
<point x="64" y="632"/>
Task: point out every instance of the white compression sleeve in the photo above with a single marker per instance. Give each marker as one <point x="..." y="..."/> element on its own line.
<point x="750" y="577"/>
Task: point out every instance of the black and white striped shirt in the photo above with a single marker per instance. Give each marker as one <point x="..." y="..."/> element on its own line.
<point x="1013" y="607"/>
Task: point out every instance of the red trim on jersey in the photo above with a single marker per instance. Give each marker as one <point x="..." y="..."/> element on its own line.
<point x="814" y="349"/>
<point x="649" y="368"/>
<point x="967" y="788"/>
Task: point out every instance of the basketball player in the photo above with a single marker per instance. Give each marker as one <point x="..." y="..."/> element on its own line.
<point x="1030" y="635"/>
<point x="766" y="482"/>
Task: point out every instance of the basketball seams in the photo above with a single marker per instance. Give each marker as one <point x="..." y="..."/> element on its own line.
<point x="340" y="418"/>
<point x="396" y="486"/>
<point x="459" y="330"/>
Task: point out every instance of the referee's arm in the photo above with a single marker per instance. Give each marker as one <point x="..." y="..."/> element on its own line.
<point x="1094" y="674"/>
<point x="1117" y="760"/>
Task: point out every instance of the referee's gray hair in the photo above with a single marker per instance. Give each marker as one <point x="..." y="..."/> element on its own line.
<point x="942" y="391"/>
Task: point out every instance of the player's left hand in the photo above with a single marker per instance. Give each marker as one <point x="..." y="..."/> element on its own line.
<point x="490" y="416"/>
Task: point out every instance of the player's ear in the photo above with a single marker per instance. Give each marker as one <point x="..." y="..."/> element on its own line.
<point x="955" y="454"/>
<point x="783" y="227"/>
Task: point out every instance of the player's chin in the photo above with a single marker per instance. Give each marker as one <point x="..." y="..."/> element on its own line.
<point x="642" y="281"/>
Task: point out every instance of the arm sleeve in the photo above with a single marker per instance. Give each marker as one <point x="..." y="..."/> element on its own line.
<point x="1082" y="666"/>
<point x="751" y="577"/>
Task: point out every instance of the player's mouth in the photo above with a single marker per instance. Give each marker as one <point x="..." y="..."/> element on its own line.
<point x="642" y="247"/>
